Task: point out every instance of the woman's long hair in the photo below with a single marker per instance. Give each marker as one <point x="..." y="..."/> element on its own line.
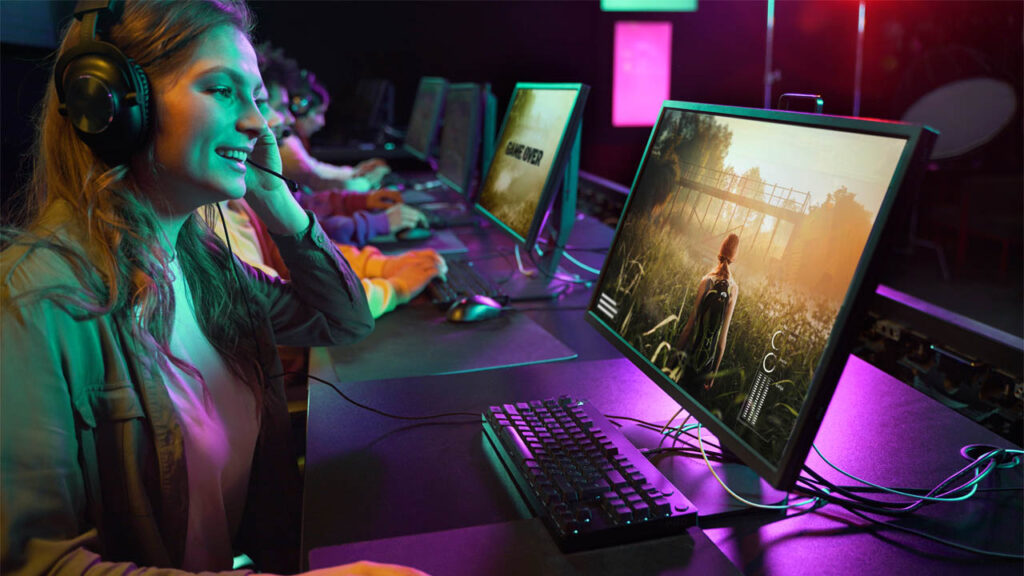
<point x="726" y="254"/>
<point x="117" y="254"/>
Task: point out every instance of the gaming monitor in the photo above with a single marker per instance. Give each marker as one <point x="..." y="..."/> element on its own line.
<point x="460" y="136"/>
<point x="537" y="135"/>
<point x="425" y="117"/>
<point x="743" y="251"/>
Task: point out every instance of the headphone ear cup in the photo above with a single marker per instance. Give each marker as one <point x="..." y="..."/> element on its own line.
<point x="142" y="100"/>
<point x="301" y="106"/>
<point x="106" y="97"/>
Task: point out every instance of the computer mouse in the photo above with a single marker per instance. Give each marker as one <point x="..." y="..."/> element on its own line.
<point x="413" y="234"/>
<point x="474" y="309"/>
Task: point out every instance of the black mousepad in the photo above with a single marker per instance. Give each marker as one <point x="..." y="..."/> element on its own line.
<point x="443" y="241"/>
<point x="524" y="547"/>
<point x="417" y="341"/>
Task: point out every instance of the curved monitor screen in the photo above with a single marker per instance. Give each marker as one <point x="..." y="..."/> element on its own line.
<point x="535" y="126"/>
<point x="735" y="253"/>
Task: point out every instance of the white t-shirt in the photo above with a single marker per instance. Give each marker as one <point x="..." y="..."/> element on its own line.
<point x="220" y="426"/>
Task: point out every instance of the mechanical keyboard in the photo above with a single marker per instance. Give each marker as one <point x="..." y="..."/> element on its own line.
<point x="417" y="181"/>
<point x="462" y="280"/>
<point x="450" y="217"/>
<point x="586" y="481"/>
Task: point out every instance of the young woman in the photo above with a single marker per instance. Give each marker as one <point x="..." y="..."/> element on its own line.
<point x="143" y="421"/>
<point x="706" y="332"/>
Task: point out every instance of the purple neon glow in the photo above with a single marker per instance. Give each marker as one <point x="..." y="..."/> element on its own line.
<point x="641" y="72"/>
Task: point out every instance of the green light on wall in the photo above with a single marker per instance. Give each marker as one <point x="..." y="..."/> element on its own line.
<point x="649" y="5"/>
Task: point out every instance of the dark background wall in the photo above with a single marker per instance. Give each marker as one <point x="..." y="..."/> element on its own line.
<point x="718" y="56"/>
<point x="718" y="53"/>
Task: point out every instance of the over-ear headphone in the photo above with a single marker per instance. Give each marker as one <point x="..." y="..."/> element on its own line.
<point x="305" y="94"/>
<point x="300" y="106"/>
<point x="103" y="93"/>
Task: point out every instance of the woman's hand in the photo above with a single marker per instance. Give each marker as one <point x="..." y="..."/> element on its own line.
<point x="383" y="199"/>
<point x="267" y="194"/>
<point x="370" y="165"/>
<point x="412" y="278"/>
<point x="414" y="257"/>
<point x="401" y="216"/>
<point x="266" y="154"/>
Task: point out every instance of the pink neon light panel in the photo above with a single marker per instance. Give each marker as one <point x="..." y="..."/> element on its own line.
<point x="641" y="72"/>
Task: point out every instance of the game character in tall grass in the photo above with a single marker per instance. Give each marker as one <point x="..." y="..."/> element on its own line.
<point x="704" y="337"/>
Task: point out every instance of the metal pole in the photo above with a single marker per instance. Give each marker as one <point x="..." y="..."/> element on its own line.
<point x="860" y="58"/>
<point x="769" y="76"/>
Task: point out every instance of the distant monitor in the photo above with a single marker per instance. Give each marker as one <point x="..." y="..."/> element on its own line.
<point x="460" y="136"/>
<point x="425" y="117"/>
<point x="744" y="248"/>
<point x="532" y="147"/>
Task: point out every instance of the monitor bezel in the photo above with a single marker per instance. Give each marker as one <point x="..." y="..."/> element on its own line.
<point x="476" y="129"/>
<point x="436" y="115"/>
<point x="554" y="178"/>
<point x="842" y="338"/>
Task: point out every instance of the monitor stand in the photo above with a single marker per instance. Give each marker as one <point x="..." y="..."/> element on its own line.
<point x="549" y="280"/>
<point x="523" y="288"/>
<point x="715" y="507"/>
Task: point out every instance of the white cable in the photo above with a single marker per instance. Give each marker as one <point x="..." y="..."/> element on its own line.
<point x="667" y="424"/>
<point x="519" y="264"/>
<point x="700" y="443"/>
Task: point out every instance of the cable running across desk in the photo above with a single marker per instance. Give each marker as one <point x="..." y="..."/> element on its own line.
<point x="823" y="492"/>
<point x="475" y="415"/>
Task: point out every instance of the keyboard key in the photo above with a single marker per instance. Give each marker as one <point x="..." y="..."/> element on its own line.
<point x="616" y="479"/>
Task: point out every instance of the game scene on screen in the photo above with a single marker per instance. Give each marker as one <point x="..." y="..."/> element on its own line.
<point x="735" y="255"/>
<point x="524" y="153"/>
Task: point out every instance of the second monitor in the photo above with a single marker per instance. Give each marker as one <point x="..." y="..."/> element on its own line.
<point x="538" y="142"/>
<point x="425" y="117"/>
<point x="467" y="136"/>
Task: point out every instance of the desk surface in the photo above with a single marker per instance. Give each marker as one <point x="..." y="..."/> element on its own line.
<point x="375" y="484"/>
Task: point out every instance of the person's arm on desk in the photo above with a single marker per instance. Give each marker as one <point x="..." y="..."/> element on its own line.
<point x="358" y="228"/>
<point x="347" y="203"/>
<point x="367" y="166"/>
<point x="390" y="281"/>
<point x="308" y="171"/>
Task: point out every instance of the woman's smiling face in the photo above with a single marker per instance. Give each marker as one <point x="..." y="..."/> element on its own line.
<point x="207" y="121"/>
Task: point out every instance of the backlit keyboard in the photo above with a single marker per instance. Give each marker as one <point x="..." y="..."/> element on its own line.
<point x="462" y="280"/>
<point x="454" y="216"/>
<point x="585" y="480"/>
